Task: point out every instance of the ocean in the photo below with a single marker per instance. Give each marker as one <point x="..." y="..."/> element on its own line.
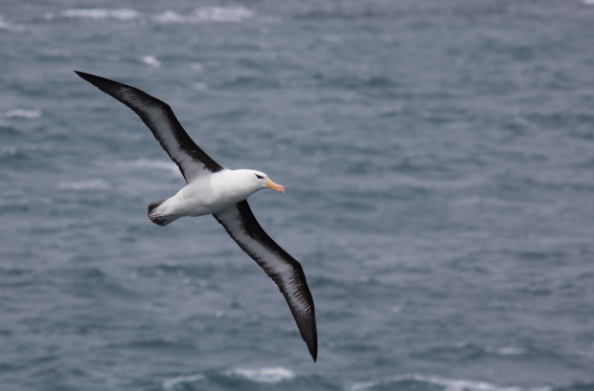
<point x="438" y="158"/>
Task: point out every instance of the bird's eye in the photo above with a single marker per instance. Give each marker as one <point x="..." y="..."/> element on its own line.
<point x="259" y="177"/>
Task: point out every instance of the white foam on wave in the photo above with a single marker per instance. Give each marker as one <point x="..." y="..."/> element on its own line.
<point x="23" y="113"/>
<point x="172" y="384"/>
<point x="506" y="351"/>
<point x="9" y="151"/>
<point x="207" y="14"/>
<point x="55" y="53"/>
<point x="222" y="14"/>
<point x="4" y="25"/>
<point x="447" y="384"/>
<point x="170" y="17"/>
<point x="151" y="60"/>
<point x="200" y="15"/>
<point x="99" y="13"/>
<point x="200" y="86"/>
<point x="264" y="375"/>
<point x="196" y="66"/>
<point x="588" y="2"/>
<point x="95" y="184"/>
<point x="150" y="164"/>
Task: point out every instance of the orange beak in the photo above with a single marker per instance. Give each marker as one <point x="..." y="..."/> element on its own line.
<point x="274" y="186"/>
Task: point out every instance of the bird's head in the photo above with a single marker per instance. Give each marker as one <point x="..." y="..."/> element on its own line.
<point x="258" y="180"/>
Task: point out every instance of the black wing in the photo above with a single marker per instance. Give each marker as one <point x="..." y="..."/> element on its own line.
<point x="240" y="223"/>
<point x="158" y="116"/>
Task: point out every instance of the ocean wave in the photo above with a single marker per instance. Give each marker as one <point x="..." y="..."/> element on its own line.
<point x="505" y="351"/>
<point x="270" y="375"/>
<point x="355" y="82"/>
<point x="4" y="25"/>
<point x="151" y="60"/>
<point x="95" y="184"/>
<point x="7" y="130"/>
<point x="98" y="13"/>
<point x="150" y="164"/>
<point x="206" y="14"/>
<point x="411" y="382"/>
<point x="588" y="2"/>
<point x="467" y="350"/>
<point x="10" y="151"/>
<point x="200" y="86"/>
<point x="54" y="53"/>
<point x="264" y="375"/>
<point x="23" y="113"/>
<point x="199" y="15"/>
<point x="180" y="381"/>
<point x="196" y="66"/>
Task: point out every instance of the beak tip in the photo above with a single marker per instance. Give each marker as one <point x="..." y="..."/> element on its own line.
<point x="275" y="186"/>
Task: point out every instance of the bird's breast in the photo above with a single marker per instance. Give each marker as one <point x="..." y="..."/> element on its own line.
<point x="203" y="197"/>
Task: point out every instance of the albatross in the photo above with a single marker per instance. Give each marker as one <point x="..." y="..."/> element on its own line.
<point x="221" y="192"/>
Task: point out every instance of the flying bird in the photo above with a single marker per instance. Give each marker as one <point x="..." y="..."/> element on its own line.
<point x="213" y="189"/>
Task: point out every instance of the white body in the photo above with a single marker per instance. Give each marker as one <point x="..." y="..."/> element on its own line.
<point x="212" y="193"/>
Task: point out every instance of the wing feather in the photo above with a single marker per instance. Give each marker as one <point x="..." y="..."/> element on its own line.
<point x="285" y="271"/>
<point x="192" y="161"/>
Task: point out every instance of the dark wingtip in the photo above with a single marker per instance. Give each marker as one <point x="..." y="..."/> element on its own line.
<point x="108" y="86"/>
<point x="81" y="74"/>
<point x="88" y="77"/>
<point x="313" y="350"/>
<point x="309" y="333"/>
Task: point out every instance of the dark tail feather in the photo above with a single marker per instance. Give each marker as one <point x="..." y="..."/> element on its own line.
<point x="157" y="218"/>
<point x="153" y="205"/>
<point x="163" y="221"/>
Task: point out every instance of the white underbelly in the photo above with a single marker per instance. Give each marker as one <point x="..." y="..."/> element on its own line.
<point x="195" y="201"/>
<point x="206" y="196"/>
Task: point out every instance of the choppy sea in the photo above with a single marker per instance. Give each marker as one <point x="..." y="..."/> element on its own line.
<point x="439" y="164"/>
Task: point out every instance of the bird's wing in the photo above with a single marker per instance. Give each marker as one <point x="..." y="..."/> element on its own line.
<point x="158" y="116"/>
<point x="287" y="273"/>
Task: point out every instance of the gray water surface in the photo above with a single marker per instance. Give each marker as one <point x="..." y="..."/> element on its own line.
<point x="439" y="164"/>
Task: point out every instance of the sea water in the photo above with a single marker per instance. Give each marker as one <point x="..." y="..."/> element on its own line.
<point x="439" y="164"/>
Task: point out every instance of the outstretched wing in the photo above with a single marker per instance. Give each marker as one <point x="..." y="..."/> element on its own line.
<point x="242" y="226"/>
<point x="158" y="116"/>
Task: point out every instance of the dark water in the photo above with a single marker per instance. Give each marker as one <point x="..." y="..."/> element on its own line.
<point x="439" y="164"/>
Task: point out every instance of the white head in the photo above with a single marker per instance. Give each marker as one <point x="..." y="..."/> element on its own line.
<point x="253" y="181"/>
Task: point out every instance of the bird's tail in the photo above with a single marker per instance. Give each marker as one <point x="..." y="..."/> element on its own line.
<point x="157" y="216"/>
